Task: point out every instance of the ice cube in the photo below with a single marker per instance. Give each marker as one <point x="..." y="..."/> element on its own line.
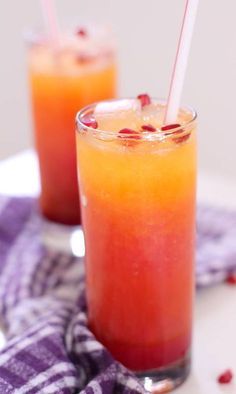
<point x="153" y="114"/>
<point x="115" y="115"/>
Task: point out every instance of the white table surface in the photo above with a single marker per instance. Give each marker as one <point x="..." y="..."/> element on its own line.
<point x="214" y="345"/>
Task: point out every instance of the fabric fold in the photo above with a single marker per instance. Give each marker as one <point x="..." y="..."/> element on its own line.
<point x="50" y="348"/>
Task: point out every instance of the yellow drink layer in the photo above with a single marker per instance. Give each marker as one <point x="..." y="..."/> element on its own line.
<point x="164" y="164"/>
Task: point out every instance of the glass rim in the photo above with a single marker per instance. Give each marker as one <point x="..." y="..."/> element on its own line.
<point x="39" y="35"/>
<point x="144" y="135"/>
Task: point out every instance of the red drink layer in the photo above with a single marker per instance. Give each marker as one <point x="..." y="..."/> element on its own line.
<point x="138" y="212"/>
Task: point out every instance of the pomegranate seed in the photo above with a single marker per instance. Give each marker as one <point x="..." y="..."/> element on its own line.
<point x="225" y="377"/>
<point x="177" y="140"/>
<point x="132" y="134"/>
<point x="170" y="126"/>
<point x="144" y="99"/>
<point x="148" y="127"/>
<point x="81" y="32"/>
<point x="91" y="123"/>
<point x="181" y="139"/>
<point x="231" y="279"/>
<point x="83" y="58"/>
<point x="129" y="132"/>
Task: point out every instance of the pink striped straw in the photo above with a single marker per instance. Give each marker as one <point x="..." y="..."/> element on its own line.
<point x="180" y="63"/>
<point x="51" y="20"/>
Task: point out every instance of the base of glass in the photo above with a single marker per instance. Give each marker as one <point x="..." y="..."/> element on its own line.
<point x="165" y="379"/>
<point x="62" y="238"/>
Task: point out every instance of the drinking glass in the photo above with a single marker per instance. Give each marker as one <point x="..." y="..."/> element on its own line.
<point x="137" y="187"/>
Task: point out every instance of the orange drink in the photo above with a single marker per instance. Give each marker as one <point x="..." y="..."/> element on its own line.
<point x="137" y="185"/>
<point x="64" y="76"/>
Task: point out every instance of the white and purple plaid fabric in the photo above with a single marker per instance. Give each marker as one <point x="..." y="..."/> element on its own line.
<point x="43" y="309"/>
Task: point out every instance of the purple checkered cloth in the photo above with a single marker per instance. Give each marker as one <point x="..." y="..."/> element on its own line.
<point x="43" y="311"/>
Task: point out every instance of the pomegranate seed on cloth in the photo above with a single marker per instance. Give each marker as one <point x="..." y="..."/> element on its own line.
<point x="81" y="32"/>
<point x="225" y="377"/>
<point x="231" y="279"/>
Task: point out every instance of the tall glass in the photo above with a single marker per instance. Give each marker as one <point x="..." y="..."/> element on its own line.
<point x="65" y="76"/>
<point x="138" y="212"/>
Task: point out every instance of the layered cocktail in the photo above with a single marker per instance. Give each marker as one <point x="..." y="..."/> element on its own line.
<point x="137" y="184"/>
<point x="64" y="76"/>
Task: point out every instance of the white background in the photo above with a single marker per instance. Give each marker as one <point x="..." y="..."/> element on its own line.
<point x="147" y="35"/>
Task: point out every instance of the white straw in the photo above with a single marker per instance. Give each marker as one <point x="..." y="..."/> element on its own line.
<point x="181" y="60"/>
<point x="51" y="20"/>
